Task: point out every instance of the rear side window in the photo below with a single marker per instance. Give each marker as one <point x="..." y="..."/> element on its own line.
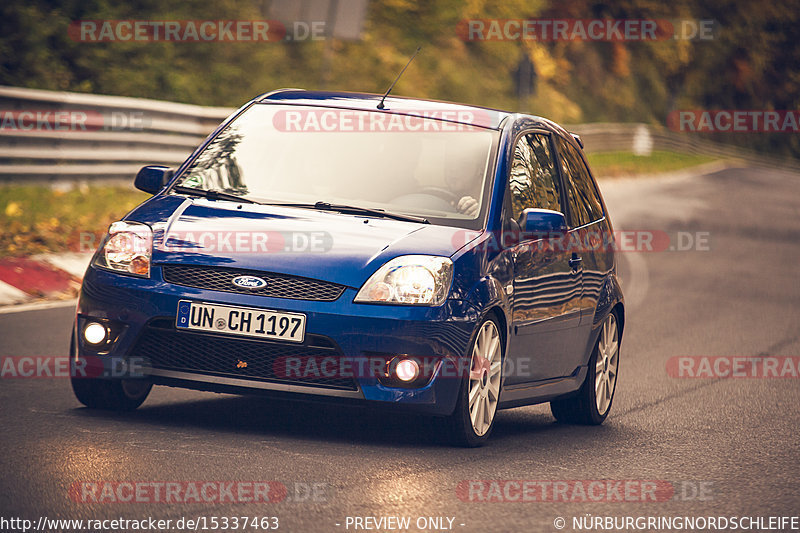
<point x="584" y="201"/>
<point x="533" y="181"/>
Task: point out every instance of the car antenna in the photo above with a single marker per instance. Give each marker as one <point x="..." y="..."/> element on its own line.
<point x="380" y="105"/>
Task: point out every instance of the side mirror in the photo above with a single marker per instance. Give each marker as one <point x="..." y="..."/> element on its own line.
<point x="152" y="178"/>
<point x="542" y="221"/>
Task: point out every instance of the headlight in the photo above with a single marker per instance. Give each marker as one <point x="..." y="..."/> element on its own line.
<point x="128" y="249"/>
<point x="409" y="279"/>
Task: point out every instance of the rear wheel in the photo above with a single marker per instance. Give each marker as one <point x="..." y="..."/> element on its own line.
<point x="593" y="402"/>
<point x="473" y="419"/>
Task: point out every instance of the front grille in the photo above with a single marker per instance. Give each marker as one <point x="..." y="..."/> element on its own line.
<point x="169" y="349"/>
<point x="278" y="285"/>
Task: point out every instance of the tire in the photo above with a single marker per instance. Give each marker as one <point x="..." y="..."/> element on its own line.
<point x="601" y="381"/>
<point x="473" y="419"/>
<point x="109" y="394"/>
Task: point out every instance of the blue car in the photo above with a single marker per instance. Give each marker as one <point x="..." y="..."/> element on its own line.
<point x="402" y="253"/>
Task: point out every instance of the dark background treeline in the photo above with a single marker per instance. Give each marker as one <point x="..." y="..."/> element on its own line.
<point x="751" y="63"/>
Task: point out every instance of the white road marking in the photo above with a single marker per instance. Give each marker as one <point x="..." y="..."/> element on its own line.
<point x="11" y="295"/>
<point x="74" y="263"/>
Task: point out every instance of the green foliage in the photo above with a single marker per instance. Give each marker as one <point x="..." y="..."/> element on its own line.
<point x="753" y="61"/>
<point x="40" y="218"/>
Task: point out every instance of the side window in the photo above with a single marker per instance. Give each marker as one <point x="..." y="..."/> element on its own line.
<point x="584" y="201"/>
<point x="533" y="181"/>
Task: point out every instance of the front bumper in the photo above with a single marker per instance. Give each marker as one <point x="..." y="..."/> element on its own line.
<point x="143" y="311"/>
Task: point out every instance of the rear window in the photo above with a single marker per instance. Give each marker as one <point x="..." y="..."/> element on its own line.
<point x="584" y="201"/>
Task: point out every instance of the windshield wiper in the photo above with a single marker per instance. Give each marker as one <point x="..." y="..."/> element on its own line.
<point x="355" y="210"/>
<point x="212" y="194"/>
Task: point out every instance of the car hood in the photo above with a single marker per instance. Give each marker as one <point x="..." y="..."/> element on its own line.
<point x="340" y="248"/>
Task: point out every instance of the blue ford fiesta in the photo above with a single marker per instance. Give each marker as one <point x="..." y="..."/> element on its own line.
<point x="404" y="253"/>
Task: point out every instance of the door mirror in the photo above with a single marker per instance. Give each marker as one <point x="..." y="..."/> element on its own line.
<point x="152" y="178"/>
<point x="542" y="221"/>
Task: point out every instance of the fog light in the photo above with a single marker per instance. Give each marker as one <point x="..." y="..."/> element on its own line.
<point x="407" y="370"/>
<point x="94" y="333"/>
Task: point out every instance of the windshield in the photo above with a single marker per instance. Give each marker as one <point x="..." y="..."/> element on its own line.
<point x="370" y="159"/>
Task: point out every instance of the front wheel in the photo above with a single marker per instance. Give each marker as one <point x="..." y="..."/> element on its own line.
<point x="593" y="402"/>
<point x="473" y="419"/>
<point x="112" y="395"/>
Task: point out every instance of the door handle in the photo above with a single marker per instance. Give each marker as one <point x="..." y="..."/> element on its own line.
<point x="575" y="261"/>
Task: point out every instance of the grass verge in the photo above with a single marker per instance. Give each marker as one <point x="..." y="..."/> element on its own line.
<point x="617" y="164"/>
<point x="40" y="218"/>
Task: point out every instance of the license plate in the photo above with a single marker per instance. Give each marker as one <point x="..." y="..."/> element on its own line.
<point x="244" y="321"/>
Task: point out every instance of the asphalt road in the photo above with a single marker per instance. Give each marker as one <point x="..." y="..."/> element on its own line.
<point x="727" y="447"/>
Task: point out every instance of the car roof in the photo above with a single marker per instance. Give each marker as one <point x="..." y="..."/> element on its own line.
<point x="466" y="114"/>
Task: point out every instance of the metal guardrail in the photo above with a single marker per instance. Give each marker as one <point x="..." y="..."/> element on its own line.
<point x="111" y="137"/>
<point x="99" y="136"/>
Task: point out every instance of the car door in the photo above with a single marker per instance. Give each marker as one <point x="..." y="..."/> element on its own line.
<point x="547" y="289"/>
<point x="588" y="230"/>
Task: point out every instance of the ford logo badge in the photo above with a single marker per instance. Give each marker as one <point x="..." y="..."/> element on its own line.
<point x="249" y="282"/>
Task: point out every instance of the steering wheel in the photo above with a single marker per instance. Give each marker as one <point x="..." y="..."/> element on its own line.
<point x="441" y="193"/>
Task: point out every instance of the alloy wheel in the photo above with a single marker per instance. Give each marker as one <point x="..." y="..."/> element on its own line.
<point x="606" y="365"/>
<point x="484" y="378"/>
